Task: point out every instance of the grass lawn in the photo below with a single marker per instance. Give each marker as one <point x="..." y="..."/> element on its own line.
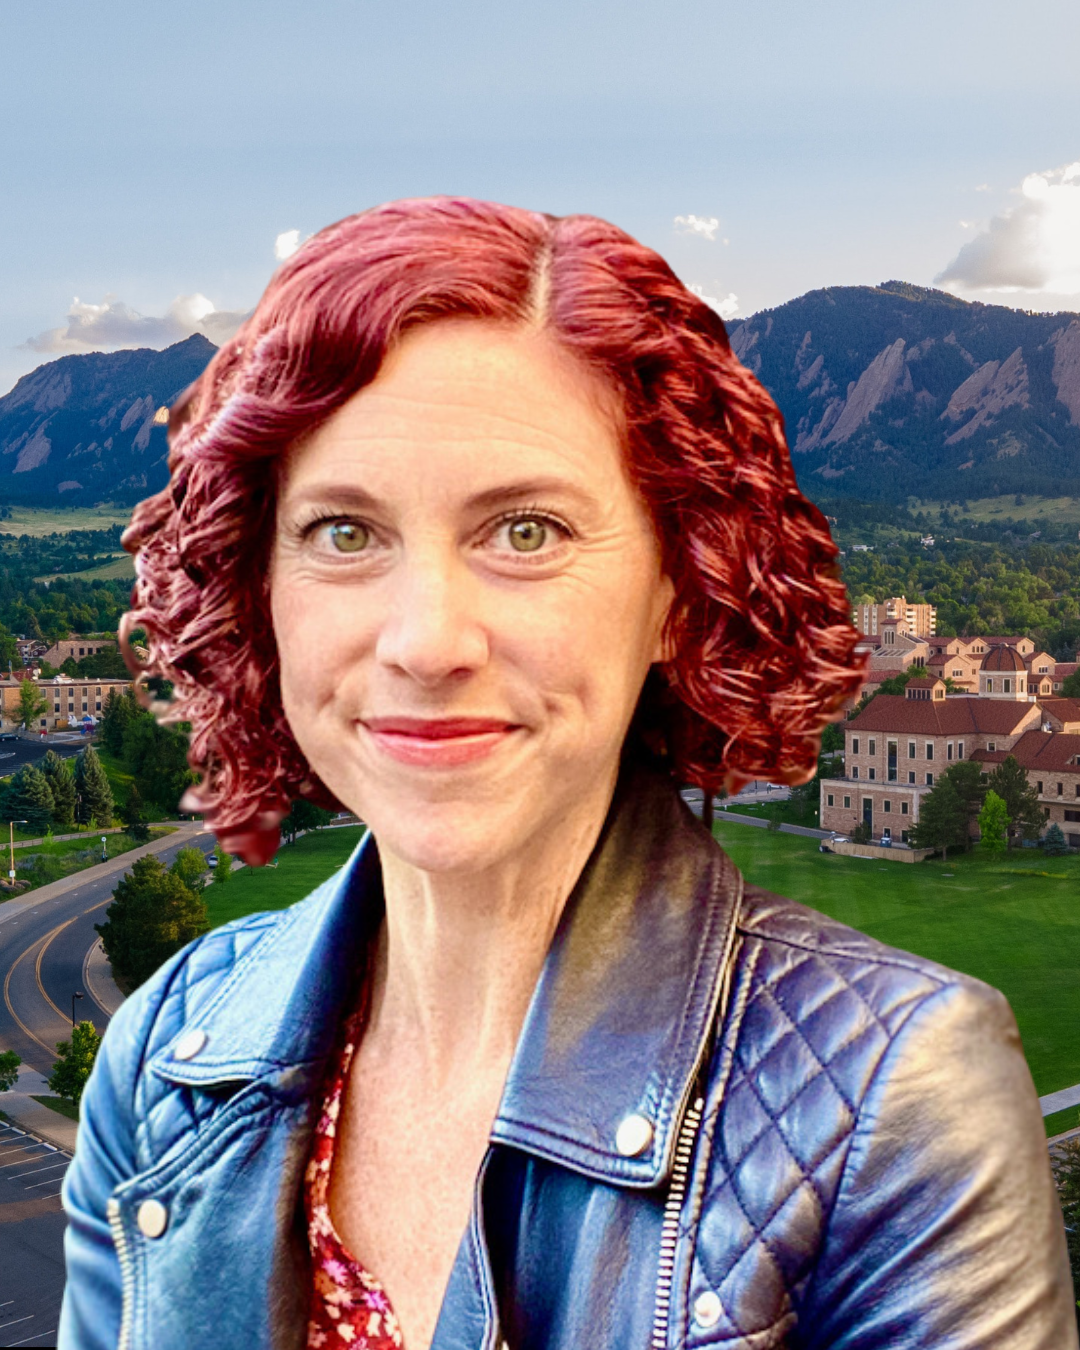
<point x="300" y="868"/>
<point x="39" y="521"/>
<point x="60" y="1104"/>
<point x="121" y="568"/>
<point x="45" y="863"/>
<point x="998" y="920"/>
<point x="794" y="811"/>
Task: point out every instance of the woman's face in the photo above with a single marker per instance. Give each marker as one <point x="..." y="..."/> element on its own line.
<point x="461" y="540"/>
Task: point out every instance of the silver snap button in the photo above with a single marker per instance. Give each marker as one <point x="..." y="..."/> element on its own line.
<point x="707" y="1309"/>
<point x="152" y="1218"/>
<point x="633" y="1136"/>
<point x="189" y="1045"/>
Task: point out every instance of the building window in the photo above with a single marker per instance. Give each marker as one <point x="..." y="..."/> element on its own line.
<point x="43" y="722"/>
<point x="1046" y="812"/>
<point x="854" y="771"/>
<point x="1019" y="686"/>
<point x="873" y="773"/>
<point x="829" y="799"/>
<point x="949" y="750"/>
<point x="1006" y="686"/>
<point x="1072" y="815"/>
<point x="911" y="775"/>
<point x="890" y="756"/>
<point x="929" y="749"/>
<point x="911" y="749"/>
<point x="991" y="745"/>
<point x="1061" y="789"/>
<point x="873" y="747"/>
<point x="97" y="706"/>
<point x="886" y="833"/>
<point x="886" y="805"/>
<point x="989" y="686"/>
<point x="1078" y="789"/>
<point x="847" y="803"/>
<point x="854" y="745"/>
<point x="1039" y="787"/>
<point x="97" y="691"/>
<point x="929" y="780"/>
<point x="903" y="836"/>
<point x="960" y="750"/>
<point x="903" y="808"/>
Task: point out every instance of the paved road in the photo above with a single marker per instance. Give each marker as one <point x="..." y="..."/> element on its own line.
<point x="44" y="941"/>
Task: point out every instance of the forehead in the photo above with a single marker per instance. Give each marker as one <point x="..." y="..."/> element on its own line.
<point x="469" y="397"/>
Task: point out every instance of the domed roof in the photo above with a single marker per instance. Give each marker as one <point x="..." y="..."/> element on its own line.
<point x="1004" y="658"/>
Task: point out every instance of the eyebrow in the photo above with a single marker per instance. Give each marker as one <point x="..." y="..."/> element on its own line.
<point x="354" y="496"/>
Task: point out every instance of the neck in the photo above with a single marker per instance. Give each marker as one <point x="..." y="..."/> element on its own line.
<point x="459" y="955"/>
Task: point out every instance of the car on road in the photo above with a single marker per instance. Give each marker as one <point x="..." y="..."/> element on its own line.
<point x="826" y="844"/>
<point x="9" y="736"/>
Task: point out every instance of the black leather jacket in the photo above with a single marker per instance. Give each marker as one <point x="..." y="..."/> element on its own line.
<point x="729" y="1121"/>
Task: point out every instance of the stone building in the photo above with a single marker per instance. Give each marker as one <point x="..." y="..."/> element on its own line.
<point x="68" y="701"/>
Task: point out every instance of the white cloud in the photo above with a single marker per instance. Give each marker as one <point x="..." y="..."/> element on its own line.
<point x="112" y="324"/>
<point x="706" y="226"/>
<point x="726" y="308"/>
<point x="286" y="244"/>
<point x="1031" y="246"/>
<point x="982" y="187"/>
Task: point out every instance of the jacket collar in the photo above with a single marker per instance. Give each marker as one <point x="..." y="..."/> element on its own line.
<point x="619" y="1023"/>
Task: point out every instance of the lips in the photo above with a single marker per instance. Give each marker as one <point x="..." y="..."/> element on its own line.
<point x="437" y="728"/>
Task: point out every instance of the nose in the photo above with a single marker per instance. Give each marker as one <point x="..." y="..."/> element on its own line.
<point x="432" y="627"/>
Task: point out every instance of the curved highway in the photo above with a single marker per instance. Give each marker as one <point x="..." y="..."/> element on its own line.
<point x="44" y="940"/>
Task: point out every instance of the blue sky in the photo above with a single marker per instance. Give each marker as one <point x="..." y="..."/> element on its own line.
<point x="153" y="152"/>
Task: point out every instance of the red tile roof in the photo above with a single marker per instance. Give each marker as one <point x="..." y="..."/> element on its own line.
<point x="1047" y="750"/>
<point x="953" y="716"/>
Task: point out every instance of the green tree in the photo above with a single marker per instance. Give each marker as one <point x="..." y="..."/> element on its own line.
<point x="62" y="786"/>
<point x="993" y="823"/>
<point x="28" y="797"/>
<point x="304" y="815"/>
<point x="94" y="796"/>
<point x="966" y="776"/>
<point x="1011" y="784"/>
<point x="832" y="738"/>
<point x="133" y="815"/>
<point x="106" y="664"/>
<point x="190" y="866"/>
<point x="157" y="756"/>
<point x="1054" y="841"/>
<point x="943" y="819"/>
<point x="152" y="916"/>
<point x="75" y="1059"/>
<point x="9" y="648"/>
<point x="224" y="867"/>
<point x="862" y="833"/>
<point x="32" y="703"/>
<point x="9" y="1070"/>
<point x="1070" y="686"/>
<point x="119" y="710"/>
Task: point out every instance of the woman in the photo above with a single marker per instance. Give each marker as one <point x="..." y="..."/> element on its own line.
<point x="479" y="529"/>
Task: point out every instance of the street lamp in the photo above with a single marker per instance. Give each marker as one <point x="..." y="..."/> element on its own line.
<point x="104" y="852"/>
<point x="73" y="998"/>
<point x="11" y="846"/>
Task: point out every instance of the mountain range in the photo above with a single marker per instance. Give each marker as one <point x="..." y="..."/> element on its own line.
<point x="895" y="390"/>
<point x="887" y="392"/>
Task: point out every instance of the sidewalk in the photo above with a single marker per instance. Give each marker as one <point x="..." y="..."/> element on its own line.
<point x="19" y="1106"/>
<point x="183" y="832"/>
<point x="98" y="980"/>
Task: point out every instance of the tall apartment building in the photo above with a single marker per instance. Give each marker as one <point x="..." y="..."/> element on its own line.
<point x="871" y="619"/>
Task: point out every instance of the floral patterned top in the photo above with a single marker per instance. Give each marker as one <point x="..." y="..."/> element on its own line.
<point x="349" y="1306"/>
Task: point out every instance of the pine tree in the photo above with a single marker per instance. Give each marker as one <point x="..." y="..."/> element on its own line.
<point x="943" y="819"/>
<point x="133" y="814"/>
<point x="62" y="784"/>
<point x="1011" y="784"/>
<point x="152" y="916"/>
<point x="1054" y="841"/>
<point x="119" y="710"/>
<point x="75" y="1059"/>
<point x="28" y="797"/>
<point x="993" y="823"/>
<point x="95" y="799"/>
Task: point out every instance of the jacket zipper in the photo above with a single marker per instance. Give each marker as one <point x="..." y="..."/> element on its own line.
<point x="127" y="1271"/>
<point x="669" y="1231"/>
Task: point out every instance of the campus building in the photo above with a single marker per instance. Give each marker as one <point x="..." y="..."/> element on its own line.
<point x="68" y="701"/>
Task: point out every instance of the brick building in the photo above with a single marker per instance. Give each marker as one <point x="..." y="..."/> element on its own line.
<point x="75" y="648"/>
<point x="898" y="746"/>
<point x="872" y="618"/>
<point x="1052" y="763"/>
<point x="68" y="700"/>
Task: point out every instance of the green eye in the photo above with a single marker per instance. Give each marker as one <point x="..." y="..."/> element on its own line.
<point x="529" y="532"/>
<point x="347" y="536"/>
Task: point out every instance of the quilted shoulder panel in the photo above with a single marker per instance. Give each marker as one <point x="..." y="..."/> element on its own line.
<point x="814" y="1007"/>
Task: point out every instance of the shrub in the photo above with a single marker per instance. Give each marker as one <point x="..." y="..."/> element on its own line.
<point x="75" y="1059"/>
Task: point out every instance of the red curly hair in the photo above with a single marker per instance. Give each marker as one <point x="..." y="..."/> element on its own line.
<point x="764" y="647"/>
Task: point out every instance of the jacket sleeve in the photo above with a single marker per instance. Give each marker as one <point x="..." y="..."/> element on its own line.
<point x="946" y="1228"/>
<point x="105" y="1157"/>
